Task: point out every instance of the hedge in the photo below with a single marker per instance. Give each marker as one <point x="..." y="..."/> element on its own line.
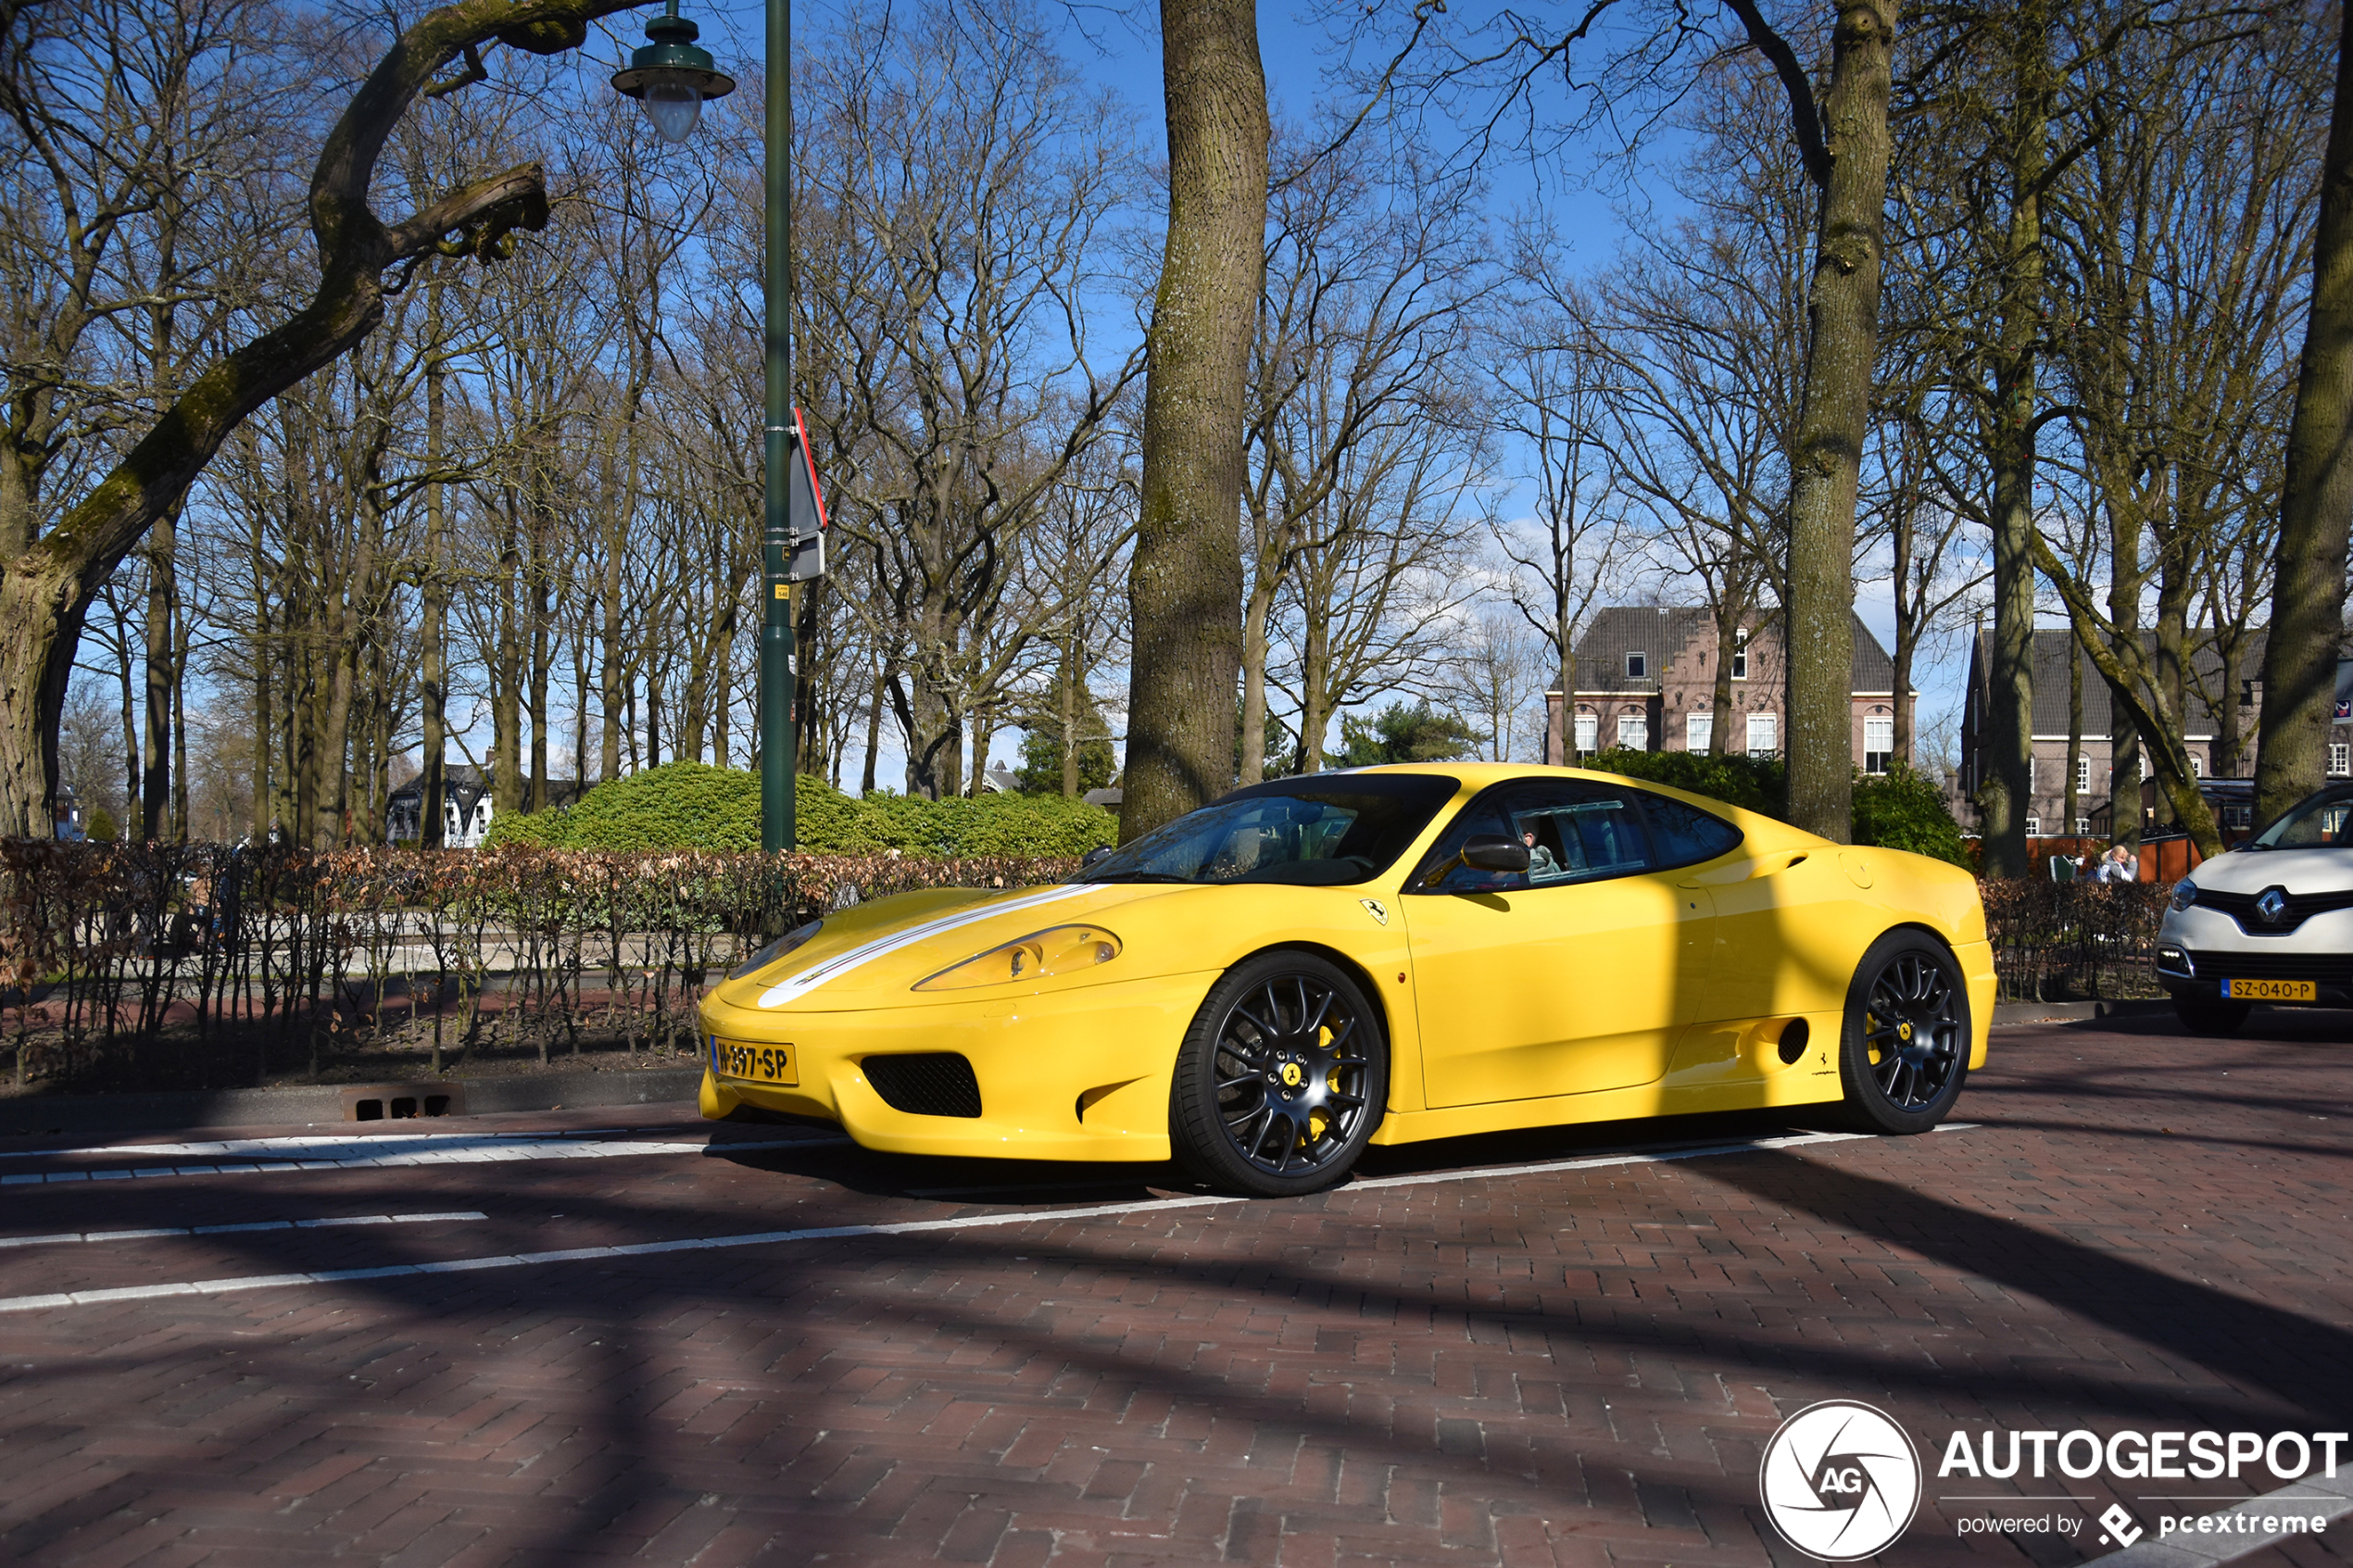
<point x="695" y="806"/>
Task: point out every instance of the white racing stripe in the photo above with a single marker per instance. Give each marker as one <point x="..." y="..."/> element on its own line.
<point x="377" y="1153"/>
<point x="835" y="1233"/>
<point x="808" y="980"/>
<point x="240" y="1229"/>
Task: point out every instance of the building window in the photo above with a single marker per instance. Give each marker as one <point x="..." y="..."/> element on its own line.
<point x="1634" y="731"/>
<point x="2034" y="827"/>
<point x="1638" y="665"/>
<point x="1588" y="730"/>
<point x="1764" y="735"/>
<point x="2083" y="826"/>
<point x="2082" y="775"/>
<point x="2198" y="766"/>
<point x="1740" y="658"/>
<point x="2340" y="758"/>
<point x="1698" y="729"/>
<point x="1878" y="743"/>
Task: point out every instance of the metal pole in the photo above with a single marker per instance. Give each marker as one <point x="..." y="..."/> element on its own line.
<point x="777" y="640"/>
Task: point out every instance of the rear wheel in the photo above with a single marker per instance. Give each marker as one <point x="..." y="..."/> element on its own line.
<point x="1281" y="1078"/>
<point x="1903" y="1051"/>
<point x="2210" y="1015"/>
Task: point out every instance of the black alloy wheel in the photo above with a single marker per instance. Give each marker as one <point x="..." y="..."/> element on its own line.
<point x="1907" y="1045"/>
<point x="1281" y="1078"/>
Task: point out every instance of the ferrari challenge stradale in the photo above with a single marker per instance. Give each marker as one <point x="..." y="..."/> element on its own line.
<point x="1266" y="986"/>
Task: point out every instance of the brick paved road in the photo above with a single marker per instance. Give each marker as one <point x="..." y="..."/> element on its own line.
<point x="1577" y="1366"/>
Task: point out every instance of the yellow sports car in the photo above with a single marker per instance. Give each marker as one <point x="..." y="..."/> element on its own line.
<point x="1268" y="985"/>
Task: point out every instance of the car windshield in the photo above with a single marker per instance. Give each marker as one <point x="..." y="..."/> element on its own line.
<point x="1325" y="830"/>
<point x="2321" y="821"/>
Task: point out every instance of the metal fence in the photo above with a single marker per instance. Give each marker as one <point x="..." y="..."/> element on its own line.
<point x="124" y="965"/>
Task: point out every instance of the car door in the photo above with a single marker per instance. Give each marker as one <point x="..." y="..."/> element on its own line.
<point x="1572" y="976"/>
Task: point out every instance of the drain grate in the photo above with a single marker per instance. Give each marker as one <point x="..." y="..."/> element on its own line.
<point x="398" y="1102"/>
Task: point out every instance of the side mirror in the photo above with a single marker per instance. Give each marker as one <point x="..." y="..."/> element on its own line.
<point x="1491" y="852"/>
<point x="1099" y="852"/>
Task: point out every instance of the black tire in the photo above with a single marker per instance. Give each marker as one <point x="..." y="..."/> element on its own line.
<point x="2212" y="1015"/>
<point x="1281" y="1078"/>
<point x="1904" y="1050"/>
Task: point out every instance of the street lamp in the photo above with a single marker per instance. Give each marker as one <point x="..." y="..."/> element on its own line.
<point x="671" y="77"/>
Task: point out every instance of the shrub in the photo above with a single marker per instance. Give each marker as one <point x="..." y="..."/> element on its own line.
<point x="1901" y="810"/>
<point x="694" y="806"/>
<point x="677" y="806"/>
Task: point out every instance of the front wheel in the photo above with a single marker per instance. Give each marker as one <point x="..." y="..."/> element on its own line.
<point x="1281" y="1078"/>
<point x="1904" y="1049"/>
<point x="2212" y="1015"/>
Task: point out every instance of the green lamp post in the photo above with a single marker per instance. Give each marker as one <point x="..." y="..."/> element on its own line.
<point x="671" y="77"/>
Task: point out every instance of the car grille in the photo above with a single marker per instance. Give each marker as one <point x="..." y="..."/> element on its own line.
<point x="930" y="1084"/>
<point x="2301" y="907"/>
<point x="2327" y="968"/>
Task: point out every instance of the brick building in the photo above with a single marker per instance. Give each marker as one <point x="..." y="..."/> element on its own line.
<point x="1646" y="679"/>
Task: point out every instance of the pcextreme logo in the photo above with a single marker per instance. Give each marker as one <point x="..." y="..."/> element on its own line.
<point x="1840" y="1480"/>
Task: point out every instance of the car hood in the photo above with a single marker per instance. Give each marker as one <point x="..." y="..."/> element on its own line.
<point x="875" y="953"/>
<point x="2299" y="870"/>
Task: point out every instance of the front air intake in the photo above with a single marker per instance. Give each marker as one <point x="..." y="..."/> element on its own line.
<point x="932" y="1084"/>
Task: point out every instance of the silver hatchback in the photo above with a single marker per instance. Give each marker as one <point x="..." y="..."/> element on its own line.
<point x="2269" y="921"/>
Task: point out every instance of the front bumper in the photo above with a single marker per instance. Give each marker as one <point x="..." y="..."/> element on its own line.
<point x="1075" y="1073"/>
<point x="2198" y="949"/>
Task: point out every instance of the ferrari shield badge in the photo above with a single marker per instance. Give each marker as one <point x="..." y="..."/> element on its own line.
<point x="1380" y="910"/>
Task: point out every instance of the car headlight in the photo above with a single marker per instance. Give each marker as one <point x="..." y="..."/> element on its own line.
<point x="775" y="949"/>
<point x="2184" y="894"/>
<point x="1058" y="949"/>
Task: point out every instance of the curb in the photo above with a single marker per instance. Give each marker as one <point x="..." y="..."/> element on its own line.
<point x="35" y="1116"/>
<point x="2069" y="1012"/>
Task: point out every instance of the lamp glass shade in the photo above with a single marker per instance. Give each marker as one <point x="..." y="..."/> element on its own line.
<point x="675" y="105"/>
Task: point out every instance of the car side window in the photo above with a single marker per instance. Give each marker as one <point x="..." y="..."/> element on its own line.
<point x="1684" y="835"/>
<point x="1573" y="831"/>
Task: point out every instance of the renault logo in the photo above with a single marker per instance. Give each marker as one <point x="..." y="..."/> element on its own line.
<point x="2272" y="905"/>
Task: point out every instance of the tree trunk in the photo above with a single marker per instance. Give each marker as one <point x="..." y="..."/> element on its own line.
<point x="155" y="793"/>
<point x="2007" y="789"/>
<point x="432" y="659"/>
<point x="1185" y="580"/>
<point x="1842" y="309"/>
<point x="1908" y="623"/>
<point x="2124" y="736"/>
<point x="2074" y="736"/>
<point x="1255" y="611"/>
<point x="2172" y="662"/>
<point x="2308" y="591"/>
<point x="1067" y="691"/>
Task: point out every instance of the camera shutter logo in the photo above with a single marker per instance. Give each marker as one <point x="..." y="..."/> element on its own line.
<point x="1839" y="1481"/>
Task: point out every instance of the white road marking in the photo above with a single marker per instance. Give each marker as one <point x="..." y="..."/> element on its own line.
<point x="368" y="1154"/>
<point x="240" y="1229"/>
<point x="795" y="986"/>
<point x="835" y="1233"/>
